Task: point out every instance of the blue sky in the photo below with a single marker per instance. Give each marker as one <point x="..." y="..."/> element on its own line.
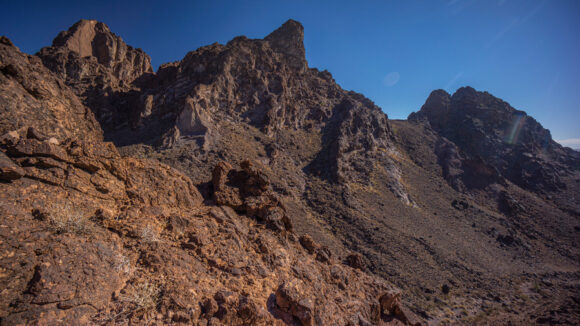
<point x="395" y="52"/>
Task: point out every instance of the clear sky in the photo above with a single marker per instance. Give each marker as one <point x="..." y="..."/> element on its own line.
<point x="526" y="52"/>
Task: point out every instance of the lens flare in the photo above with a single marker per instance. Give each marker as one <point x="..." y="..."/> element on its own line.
<point x="517" y="125"/>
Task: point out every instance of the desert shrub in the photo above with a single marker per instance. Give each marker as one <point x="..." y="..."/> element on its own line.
<point x="143" y="296"/>
<point x="122" y="264"/>
<point x="149" y="234"/>
<point x="67" y="218"/>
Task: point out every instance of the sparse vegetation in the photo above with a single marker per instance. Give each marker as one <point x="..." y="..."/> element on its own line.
<point x="149" y="234"/>
<point x="66" y="218"/>
<point x="143" y="296"/>
<point x="122" y="264"/>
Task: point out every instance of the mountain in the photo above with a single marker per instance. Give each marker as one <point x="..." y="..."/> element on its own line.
<point x="509" y="140"/>
<point x="241" y="186"/>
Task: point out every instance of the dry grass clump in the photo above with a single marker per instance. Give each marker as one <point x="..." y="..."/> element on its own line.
<point x="66" y="218"/>
<point x="122" y="264"/>
<point x="149" y="234"/>
<point x="143" y="296"/>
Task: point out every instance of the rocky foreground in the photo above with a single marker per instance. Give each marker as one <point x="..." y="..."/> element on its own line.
<point x="239" y="186"/>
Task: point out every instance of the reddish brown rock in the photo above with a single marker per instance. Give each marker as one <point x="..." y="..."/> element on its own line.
<point x="308" y="243"/>
<point x="30" y="92"/>
<point x="101" y="69"/>
<point x="8" y="170"/>
<point x="290" y="297"/>
<point x="356" y="260"/>
<point x="325" y="157"/>
<point x="249" y="191"/>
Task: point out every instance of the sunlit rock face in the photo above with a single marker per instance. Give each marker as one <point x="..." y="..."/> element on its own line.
<point x="92" y="237"/>
<point x="31" y="92"/>
<point x="89" y="48"/>
<point x="102" y="70"/>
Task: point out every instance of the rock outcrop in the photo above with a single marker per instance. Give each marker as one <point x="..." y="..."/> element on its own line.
<point x="91" y="237"/>
<point x="89" y="50"/>
<point x="30" y="92"/>
<point x="109" y="235"/>
<point x="101" y="69"/>
<point x="249" y="192"/>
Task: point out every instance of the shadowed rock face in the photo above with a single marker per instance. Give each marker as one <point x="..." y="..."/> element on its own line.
<point x="289" y="40"/>
<point x="488" y="129"/>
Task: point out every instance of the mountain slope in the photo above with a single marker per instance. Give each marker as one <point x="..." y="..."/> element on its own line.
<point x="476" y="226"/>
<point x="89" y="237"/>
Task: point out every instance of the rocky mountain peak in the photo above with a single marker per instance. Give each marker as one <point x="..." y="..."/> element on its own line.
<point x="436" y="104"/>
<point x="289" y="40"/>
<point x="465" y="91"/>
<point x="249" y="189"/>
<point x="487" y="128"/>
<point x="99" y="67"/>
<point x="6" y="41"/>
<point x="73" y="53"/>
<point x="80" y="36"/>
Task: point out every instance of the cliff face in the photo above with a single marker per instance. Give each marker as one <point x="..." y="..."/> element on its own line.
<point x="263" y="83"/>
<point x="241" y="186"/>
<point x="89" y="49"/>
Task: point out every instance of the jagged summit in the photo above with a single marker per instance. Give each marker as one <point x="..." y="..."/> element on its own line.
<point x="99" y="66"/>
<point x="289" y="39"/>
<point x="79" y="37"/>
<point x="6" y="41"/>
<point x="488" y="128"/>
<point x="91" y="43"/>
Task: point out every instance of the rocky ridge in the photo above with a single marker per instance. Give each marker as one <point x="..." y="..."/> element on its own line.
<point x="91" y="237"/>
<point x="100" y="68"/>
<point x="317" y="176"/>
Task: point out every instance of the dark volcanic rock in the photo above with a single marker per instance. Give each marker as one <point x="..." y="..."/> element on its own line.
<point x="493" y="135"/>
<point x="91" y="237"/>
<point x="289" y="40"/>
<point x="266" y="84"/>
<point x="355" y="260"/>
<point x="248" y="191"/>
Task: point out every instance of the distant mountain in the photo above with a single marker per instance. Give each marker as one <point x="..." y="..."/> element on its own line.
<point x="241" y="186"/>
<point x="487" y="128"/>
